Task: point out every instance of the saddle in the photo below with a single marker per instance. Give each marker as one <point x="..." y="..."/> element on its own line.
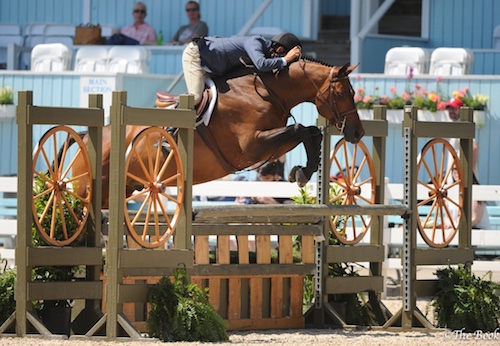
<point x="171" y="101"/>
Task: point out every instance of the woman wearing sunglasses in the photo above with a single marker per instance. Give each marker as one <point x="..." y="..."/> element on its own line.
<point x="195" y="28"/>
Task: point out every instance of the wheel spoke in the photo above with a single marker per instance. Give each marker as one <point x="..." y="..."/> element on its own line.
<point x="70" y="165"/>
<point x="47" y="207"/>
<point x="165" y="166"/>
<point x="63" y="154"/>
<point x="137" y="179"/>
<point x="53" y="218"/>
<point x="71" y="211"/>
<point x="63" y="218"/>
<point x="140" y="161"/>
<point x="56" y="163"/>
<point x="157" y="159"/>
<point x="171" y="179"/>
<point x="46" y="159"/>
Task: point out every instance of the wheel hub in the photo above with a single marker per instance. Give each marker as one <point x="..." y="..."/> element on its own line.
<point x="354" y="190"/>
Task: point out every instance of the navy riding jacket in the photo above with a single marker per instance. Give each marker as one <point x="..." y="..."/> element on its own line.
<point x="220" y="54"/>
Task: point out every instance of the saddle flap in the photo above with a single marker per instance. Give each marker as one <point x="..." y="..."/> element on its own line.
<point x="166" y="97"/>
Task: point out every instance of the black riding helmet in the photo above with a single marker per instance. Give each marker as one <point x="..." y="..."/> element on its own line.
<point x="287" y="40"/>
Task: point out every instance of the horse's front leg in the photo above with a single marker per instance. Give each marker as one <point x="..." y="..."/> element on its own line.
<point x="276" y="142"/>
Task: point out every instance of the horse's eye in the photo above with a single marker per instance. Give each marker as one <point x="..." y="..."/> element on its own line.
<point x="340" y="94"/>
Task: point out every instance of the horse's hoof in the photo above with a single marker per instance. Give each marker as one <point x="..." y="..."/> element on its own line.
<point x="301" y="178"/>
<point x="291" y="175"/>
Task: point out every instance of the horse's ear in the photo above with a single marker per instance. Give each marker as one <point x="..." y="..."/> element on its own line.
<point x="351" y="68"/>
<point x="343" y="70"/>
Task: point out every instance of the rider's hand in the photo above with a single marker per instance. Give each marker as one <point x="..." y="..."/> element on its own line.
<point x="293" y="54"/>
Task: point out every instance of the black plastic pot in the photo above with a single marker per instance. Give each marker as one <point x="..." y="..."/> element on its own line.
<point x="56" y="316"/>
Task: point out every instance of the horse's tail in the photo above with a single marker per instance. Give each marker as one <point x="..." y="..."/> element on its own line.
<point x="81" y="134"/>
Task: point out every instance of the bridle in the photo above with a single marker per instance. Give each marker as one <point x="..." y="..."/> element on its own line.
<point x="331" y="97"/>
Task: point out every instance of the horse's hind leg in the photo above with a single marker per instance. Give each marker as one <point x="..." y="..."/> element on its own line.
<point x="277" y="142"/>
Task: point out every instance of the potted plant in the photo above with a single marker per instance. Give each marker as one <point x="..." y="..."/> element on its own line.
<point x="466" y="302"/>
<point x="7" y="107"/>
<point x="477" y="102"/>
<point x="181" y="311"/>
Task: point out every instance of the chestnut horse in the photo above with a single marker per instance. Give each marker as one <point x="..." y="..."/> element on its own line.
<point x="249" y="122"/>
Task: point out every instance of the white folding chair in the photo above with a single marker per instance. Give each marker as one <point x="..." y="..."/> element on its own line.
<point x="5" y="41"/>
<point x="451" y="62"/>
<point x="399" y="60"/>
<point x="33" y="34"/>
<point x="10" y="33"/>
<point x="10" y="29"/>
<point x="51" y="57"/>
<point x="128" y="59"/>
<point x="59" y="33"/>
<point x="91" y="59"/>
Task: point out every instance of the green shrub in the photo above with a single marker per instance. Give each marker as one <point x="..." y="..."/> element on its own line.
<point x="7" y="287"/>
<point x="180" y="311"/>
<point x="6" y="96"/>
<point x="465" y="301"/>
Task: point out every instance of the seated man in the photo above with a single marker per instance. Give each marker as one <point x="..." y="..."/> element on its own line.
<point x="217" y="55"/>
<point x="139" y="32"/>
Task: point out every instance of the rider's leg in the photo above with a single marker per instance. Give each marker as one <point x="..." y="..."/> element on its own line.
<point x="194" y="75"/>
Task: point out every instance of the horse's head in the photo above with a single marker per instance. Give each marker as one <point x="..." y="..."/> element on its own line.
<point x="335" y="101"/>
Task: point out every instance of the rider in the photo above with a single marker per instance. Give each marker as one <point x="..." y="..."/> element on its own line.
<point x="217" y="55"/>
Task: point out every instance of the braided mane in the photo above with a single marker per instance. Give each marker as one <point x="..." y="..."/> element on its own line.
<point x="311" y="59"/>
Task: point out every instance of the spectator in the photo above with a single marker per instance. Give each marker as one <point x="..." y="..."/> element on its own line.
<point x="138" y="32"/>
<point x="479" y="218"/>
<point x="195" y="28"/>
<point x="269" y="172"/>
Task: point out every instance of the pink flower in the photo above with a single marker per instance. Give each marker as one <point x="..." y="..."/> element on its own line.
<point x="410" y="74"/>
<point x="357" y="98"/>
<point x="418" y="87"/>
<point x="439" y="79"/>
<point x="367" y="99"/>
<point x="405" y="96"/>
<point x="441" y="105"/>
<point x="360" y="90"/>
<point x="358" y="77"/>
<point x="393" y="90"/>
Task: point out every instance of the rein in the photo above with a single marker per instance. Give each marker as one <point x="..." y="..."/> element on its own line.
<point x="331" y="98"/>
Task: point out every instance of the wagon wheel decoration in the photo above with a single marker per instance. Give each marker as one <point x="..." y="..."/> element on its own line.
<point x="352" y="183"/>
<point x="440" y="175"/>
<point x="61" y="202"/>
<point x="154" y="170"/>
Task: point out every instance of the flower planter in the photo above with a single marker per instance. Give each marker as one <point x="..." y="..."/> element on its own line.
<point x="440" y="116"/>
<point x="395" y="116"/>
<point x="479" y="118"/>
<point x="7" y="111"/>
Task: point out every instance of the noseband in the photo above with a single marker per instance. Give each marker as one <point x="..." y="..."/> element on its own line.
<point x="331" y="97"/>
